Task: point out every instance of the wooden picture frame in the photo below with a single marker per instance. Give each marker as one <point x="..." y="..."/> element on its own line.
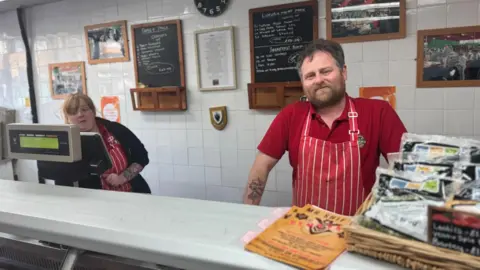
<point x="181" y="58"/>
<point x="75" y="71"/>
<point x="275" y="81"/>
<point x="223" y="39"/>
<point x="160" y="71"/>
<point x="365" y="31"/>
<point x="446" y="58"/>
<point x="107" y="42"/>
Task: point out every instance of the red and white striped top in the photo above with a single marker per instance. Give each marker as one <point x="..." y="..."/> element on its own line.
<point x="119" y="160"/>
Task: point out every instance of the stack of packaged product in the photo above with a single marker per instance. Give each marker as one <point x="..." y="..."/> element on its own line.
<point x="429" y="170"/>
<point x="429" y="194"/>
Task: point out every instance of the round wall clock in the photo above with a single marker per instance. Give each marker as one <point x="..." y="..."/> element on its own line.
<point x="211" y="8"/>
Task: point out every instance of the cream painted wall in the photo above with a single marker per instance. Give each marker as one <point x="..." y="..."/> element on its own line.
<point x="188" y="157"/>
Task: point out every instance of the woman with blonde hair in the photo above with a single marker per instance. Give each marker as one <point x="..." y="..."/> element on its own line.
<point x="126" y="151"/>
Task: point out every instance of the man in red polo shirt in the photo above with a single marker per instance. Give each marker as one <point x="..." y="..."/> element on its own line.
<point x="334" y="141"/>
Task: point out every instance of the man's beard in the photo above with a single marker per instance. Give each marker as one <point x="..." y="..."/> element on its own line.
<point x="335" y="97"/>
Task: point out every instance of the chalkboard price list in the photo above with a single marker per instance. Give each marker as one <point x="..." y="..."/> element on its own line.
<point x="458" y="231"/>
<point x="279" y="37"/>
<point x="148" y="52"/>
<point x="157" y="55"/>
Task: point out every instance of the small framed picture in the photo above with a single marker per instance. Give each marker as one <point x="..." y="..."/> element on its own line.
<point x="215" y="55"/>
<point x="448" y="57"/>
<point x="107" y="42"/>
<point x="67" y="78"/>
<point x="359" y="21"/>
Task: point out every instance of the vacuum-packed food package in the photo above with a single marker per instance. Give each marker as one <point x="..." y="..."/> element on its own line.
<point x="401" y="200"/>
<point x="458" y="170"/>
<point x="441" y="148"/>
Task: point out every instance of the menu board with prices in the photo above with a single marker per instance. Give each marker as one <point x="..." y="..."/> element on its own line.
<point x="277" y="35"/>
<point x="158" y="52"/>
<point x="454" y="229"/>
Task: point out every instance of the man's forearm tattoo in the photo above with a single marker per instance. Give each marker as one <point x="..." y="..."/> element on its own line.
<point x="132" y="171"/>
<point x="257" y="187"/>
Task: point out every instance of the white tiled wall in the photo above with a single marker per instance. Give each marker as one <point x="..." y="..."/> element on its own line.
<point x="191" y="159"/>
<point x="14" y="86"/>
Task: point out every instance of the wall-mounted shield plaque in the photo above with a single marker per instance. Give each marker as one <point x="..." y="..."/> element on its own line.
<point x="218" y="117"/>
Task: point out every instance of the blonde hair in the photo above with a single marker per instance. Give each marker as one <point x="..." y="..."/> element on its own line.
<point x="72" y="102"/>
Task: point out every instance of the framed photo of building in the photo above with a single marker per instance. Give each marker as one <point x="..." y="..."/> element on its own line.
<point x="448" y="57"/>
<point x="359" y="21"/>
<point x="67" y="78"/>
<point x="107" y="42"/>
<point x="215" y="57"/>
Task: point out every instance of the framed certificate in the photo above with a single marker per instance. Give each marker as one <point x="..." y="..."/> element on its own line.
<point x="215" y="56"/>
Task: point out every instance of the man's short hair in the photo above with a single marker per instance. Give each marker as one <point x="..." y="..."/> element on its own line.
<point x="321" y="45"/>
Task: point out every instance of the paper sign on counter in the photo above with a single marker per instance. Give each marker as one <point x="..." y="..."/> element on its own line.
<point x="308" y="238"/>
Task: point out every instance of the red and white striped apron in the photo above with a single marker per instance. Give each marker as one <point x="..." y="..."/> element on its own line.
<point x="329" y="174"/>
<point x="119" y="161"/>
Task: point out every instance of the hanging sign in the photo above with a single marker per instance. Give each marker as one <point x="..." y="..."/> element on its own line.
<point x="110" y="108"/>
<point x="386" y="93"/>
<point x="218" y="117"/>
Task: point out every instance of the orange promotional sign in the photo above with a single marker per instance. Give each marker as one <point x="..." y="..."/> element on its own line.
<point x="110" y="108"/>
<point x="386" y="93"/>
<point x="306" y="238"/>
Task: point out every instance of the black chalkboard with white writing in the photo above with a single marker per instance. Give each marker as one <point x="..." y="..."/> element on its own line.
<point x="277" y="35"/>
<point x="455" y="230"/>
<point x="158" y="51"/>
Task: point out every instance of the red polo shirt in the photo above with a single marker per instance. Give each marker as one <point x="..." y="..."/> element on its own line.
<point x="378" y="123"/>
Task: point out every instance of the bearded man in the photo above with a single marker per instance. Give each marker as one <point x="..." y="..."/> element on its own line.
<point x="334" y="141"/>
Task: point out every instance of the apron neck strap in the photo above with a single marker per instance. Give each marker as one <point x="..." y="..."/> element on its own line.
<point x="352" y="122"/>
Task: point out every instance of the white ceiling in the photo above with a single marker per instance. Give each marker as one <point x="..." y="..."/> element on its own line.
<point x="14" y="4"/>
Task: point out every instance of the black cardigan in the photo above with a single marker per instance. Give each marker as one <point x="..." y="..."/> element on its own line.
<point x="134" y="150"/>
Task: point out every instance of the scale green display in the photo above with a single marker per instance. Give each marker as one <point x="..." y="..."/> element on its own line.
<point x="39" y="142"/>
<point x="60" y="143"/>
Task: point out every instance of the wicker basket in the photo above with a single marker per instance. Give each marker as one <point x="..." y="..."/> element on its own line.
<point x="406" y="253"/>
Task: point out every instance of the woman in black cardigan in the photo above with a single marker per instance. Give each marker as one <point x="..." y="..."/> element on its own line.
<point x="126" y="151"/>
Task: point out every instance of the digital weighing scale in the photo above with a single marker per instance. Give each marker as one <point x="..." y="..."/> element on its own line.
<point x="65" y="156"/>
<point x="58" y="143"/>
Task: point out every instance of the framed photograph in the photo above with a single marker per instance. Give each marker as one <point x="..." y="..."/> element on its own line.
<point x="67" y="78"/>
<point x="107" y="42"/>
<point x="448" y="57"/>
<point x="215" y="57"/>
<point x="359" y="21"/>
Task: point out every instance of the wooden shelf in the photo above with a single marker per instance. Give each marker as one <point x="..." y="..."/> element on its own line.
<point x="268" y="96"/>
<point x="159" y="99"/>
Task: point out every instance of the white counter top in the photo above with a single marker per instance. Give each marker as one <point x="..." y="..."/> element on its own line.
<point x="188" y="234"/>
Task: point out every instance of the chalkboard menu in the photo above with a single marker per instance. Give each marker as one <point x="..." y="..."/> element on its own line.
<point x="455" y="230"/>
<point x="277" y="35"/>
<point x="158" y="53"/>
